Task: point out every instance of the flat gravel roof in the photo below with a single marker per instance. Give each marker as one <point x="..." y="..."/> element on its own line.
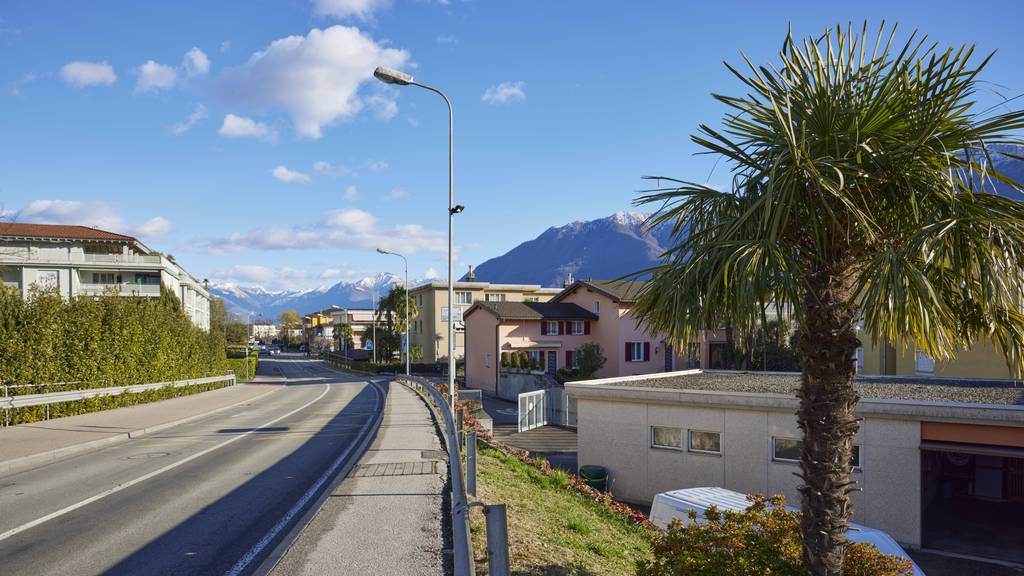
<point x="874" y="387"/>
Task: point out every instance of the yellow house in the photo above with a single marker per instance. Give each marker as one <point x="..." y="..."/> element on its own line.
<point x="983" y="361"/>
<point x="429" y="328"/>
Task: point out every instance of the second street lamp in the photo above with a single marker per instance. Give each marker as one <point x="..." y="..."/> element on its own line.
<point x="407" y="346"/>
<point x="390" y="76"/>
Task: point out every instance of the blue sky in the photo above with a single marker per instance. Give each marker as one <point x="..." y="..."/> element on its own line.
<point x="249" y="139"/>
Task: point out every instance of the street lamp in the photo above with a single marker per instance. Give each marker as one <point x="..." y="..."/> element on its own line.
<point x="406" y="349"/>
<point x="390" y="76"/>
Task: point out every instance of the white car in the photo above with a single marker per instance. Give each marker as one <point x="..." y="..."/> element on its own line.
<point x="668" y="506"/>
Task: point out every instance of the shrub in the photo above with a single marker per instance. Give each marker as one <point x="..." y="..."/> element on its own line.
<point x="763" y="539"/>
<point x="524" y="360"/>
<point x="514" y="360"/>
<point x="504" y="360"/>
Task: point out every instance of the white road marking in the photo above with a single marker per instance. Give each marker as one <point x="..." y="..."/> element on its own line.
<point x="253" y="552"/>
<point x="145" y="477"/>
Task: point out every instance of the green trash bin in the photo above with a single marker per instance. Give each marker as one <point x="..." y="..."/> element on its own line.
<point x="594" y="476"/>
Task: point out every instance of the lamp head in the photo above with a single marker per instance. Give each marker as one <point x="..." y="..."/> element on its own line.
<point x="382" y="251"/>
<point x="457" y="209"/>
<point x="392" y="76"/>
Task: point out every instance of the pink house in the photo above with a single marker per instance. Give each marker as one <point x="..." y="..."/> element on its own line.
<point x="586" y="311"/>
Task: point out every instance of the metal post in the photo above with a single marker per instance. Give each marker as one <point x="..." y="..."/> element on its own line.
<point x="373" y="303"/>
<point x="497" y="540"/>
<point x="471" y="463"/>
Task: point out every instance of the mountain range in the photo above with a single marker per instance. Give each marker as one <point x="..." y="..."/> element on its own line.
<point x="605" y="248"/>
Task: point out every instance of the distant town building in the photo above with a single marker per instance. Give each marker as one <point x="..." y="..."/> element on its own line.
<point x="83" y="261"/>
<point x="263" y="331"/>
<point x="429" y="327"/>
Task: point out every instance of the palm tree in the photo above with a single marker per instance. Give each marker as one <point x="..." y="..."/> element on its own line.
<point x="861" y="192"/>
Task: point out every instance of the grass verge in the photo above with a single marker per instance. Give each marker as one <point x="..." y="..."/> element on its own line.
<point x="552" y="531"/>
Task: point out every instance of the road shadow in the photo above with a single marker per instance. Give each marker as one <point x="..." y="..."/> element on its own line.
<point x="213" y="539"/>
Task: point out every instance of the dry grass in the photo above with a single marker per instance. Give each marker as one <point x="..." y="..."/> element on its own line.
<point x="552" y="531"/>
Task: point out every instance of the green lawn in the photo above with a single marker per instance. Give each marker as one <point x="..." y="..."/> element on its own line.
<point x="552" y="531"/>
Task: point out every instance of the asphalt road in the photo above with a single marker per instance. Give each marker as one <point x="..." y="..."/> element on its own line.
<point x="214" y="496"/>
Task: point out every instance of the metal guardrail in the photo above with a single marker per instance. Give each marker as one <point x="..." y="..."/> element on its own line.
<point x="462" y="555"/>
<point x="8" y="402"/>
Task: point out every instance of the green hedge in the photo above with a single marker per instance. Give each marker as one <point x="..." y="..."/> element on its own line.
<point x="38" y="413"/>
<point x="99" y="342"/>
<point x="238" y="365"/>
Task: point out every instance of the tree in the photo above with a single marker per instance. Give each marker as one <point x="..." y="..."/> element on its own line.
<point x="289" y="320"/>
<point x="343" y="336"/>
<point x="862" y="190"/>
<point x="589" y="359"/>
<point x="391" y="313"/>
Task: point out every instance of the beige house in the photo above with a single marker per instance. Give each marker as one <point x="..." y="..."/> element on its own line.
<point x="429" y="328"/>
<point x="940" y="461"/>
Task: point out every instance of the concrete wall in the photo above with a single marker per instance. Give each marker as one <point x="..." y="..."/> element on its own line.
<point x="983" y="360"/>
<point x="616" y="434"/>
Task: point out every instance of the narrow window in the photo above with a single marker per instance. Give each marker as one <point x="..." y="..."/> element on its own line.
<point x="577" y="327"/>
<point x="552" y="327"/>
<point x="666" y="437"/>
<point x="925" y="363"/>
<point x="597" y="307"/>
<point x="708" y="442"/>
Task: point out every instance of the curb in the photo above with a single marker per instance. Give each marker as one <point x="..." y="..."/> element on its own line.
<point x="43" y="458"/>
<point x="281" y="550"/>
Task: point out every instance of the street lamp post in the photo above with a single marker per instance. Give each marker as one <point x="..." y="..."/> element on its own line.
<point x="389" y="76"/>
<point x="407" y="347"/>
<point x="373" y="304"/>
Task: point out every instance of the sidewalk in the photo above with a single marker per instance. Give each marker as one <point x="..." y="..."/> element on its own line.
<point x="387" y="516"/>
<point x="31" y="445"/>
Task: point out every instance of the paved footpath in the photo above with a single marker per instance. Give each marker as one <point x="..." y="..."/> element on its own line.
<point x="387" y="516"/>
<point x="31" y="445"/>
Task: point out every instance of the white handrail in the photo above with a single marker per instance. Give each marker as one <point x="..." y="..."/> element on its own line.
<point x="25" y="400"/>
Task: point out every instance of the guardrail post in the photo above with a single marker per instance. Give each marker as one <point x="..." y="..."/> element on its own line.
<point x="497" y="540"/>
<point x="471" y="463"/>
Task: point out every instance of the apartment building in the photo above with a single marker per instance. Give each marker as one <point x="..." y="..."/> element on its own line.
<point x="429" y="328"/>
<point x="263" y="331"/>
<point x="361" y="320"/>
<point x="83" y="261"/>
<point x="983" y="361"/>
<point x="586" y="311"/>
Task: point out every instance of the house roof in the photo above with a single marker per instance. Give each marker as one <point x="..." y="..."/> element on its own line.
<point x="904" y="388"/>
<point x="624" y="291"/>
<point x="534" y="311"/>
<point x="18" y="229"/>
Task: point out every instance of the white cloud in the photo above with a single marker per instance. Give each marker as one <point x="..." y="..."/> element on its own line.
<point x="339" y="272"/>
<point x="242" y="127"/>
<point x="82" y="74"/>
<point x="504" y="93"/>
<point x="396" y="194"/>
<point x="198" y="115"/>
<point x="340" y="229"/>
<point x="376" y="165"/>
<point x="316" y="78"/>
<point x="351" y="194"/>
<point x="283" y="174"/>
<point x="94" y="214"/>
<point x="154" y="77"/>
<point x="153" y="227"/>
<point x="325" y="167"/>
<point x="195" y="63"/>
<point x="351" y="219"/>
<point x="225" y="46"/>
<point x="345" y="9"/>
<point x="431" y="274"/>
<point x="284" y="277"/>
<point x="447" y="39"/>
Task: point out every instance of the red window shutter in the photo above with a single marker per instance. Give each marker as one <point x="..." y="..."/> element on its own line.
<point x="568" y="359"/>
<point x="543" y="328"/>
<point x="647" y="351"/>
<point x="629" y="351"/>
<point x="586" y="326"/>
<point x="561" y="328"/>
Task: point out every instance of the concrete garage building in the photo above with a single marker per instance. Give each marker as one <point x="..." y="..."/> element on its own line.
<point x="940" y="461"/>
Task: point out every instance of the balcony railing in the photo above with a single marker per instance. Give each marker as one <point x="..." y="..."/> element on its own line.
<point x="124" y="289"/>
<point x="122" y="258"/>
<point x="22" y="255"/>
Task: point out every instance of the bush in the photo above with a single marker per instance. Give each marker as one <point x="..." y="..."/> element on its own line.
<point x="504" y="360"/>
<point x="763" y="539"/>
<point x="514" y="360"/>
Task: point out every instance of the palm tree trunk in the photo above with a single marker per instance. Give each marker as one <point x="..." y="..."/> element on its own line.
<point x="826" y="415"/>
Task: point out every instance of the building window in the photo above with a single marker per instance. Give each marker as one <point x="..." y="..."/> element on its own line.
<point x="577" y="327"/>
<point x="925" y="363"/>
<point x="634" y="351"/>
<point x="788" y="450"/>
<point x="666" y="437"/>
<point x="463" y="297"/>
<point x="106" y="278"/>
<point x="552" y="328"/>
<point x="858" y="359"/>
<point x="497" y="297"/>
<point x="597" y="307"/>
<point x="487" y="360"/>
<point x="536" y="359"/>
<point x="708" y="442"/>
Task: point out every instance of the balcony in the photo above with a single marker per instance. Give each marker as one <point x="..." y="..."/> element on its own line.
<point x="23" y="255"/>
<point x="123" y="289"/>
<point x="122" y="258"/>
